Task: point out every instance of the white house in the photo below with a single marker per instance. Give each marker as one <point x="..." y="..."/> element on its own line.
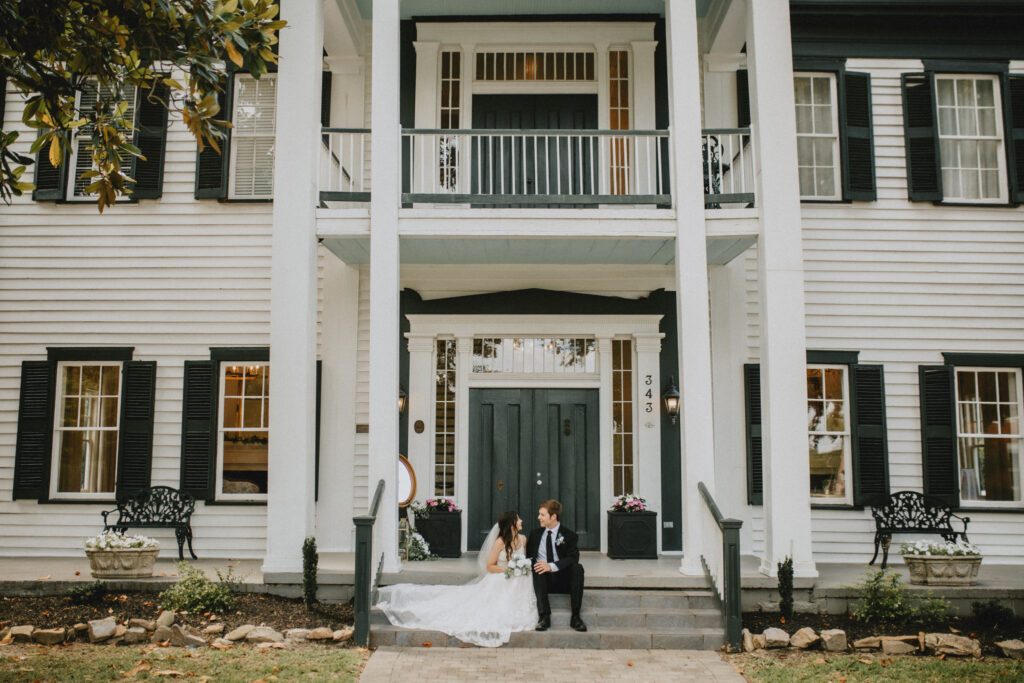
<point x="532" y="219"/>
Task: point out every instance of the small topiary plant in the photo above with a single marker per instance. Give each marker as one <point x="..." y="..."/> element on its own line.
<point x="194" y="592"/>
<point x="786" y="588"/>
<point x="310" y="559"/>
<point x="87" y="593"/>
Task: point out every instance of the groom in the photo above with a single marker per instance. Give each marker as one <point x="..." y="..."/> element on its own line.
<point x="556" y="564"/>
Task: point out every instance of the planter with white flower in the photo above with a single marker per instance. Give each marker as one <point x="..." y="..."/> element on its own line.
<point x="632" y="529"/>
<point x="116" y="556"/>
<point x="439" y="521"/>
<point x="942" y="563"/>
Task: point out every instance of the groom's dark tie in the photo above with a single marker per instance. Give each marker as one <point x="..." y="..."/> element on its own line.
<point x="548" y="548"/>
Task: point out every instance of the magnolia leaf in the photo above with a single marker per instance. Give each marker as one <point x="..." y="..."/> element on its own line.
<point x="229" y="6"/>
<point x="78" y="124"/>
<point x="233" y="52"/>
<point x="56" y="154"/>
<point x="131" y="149"/>
<point x="173" y="83"/>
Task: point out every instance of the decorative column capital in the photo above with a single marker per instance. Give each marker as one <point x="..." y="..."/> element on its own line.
<point x="722" y="62"/>
<point x="420" y="343"/>
<point x="648" y="343"/>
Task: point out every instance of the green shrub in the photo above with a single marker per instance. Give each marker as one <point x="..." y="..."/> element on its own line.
<point x="885" y="600"/>
<point x="193" y="592"/>
<point x="931" y="611"/>
<point x="310" y="560"/>
<point x="87" y="593"/>
<point x="786" y="588"/>
<point x="993" y="614"/>
<point x="419" y="549"/>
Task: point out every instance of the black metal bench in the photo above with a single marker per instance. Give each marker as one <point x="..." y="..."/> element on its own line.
<point x="156" y="507"/>
<point x="910" y="511"/>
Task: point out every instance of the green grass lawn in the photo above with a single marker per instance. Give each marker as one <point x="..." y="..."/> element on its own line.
<point x="817" y="666"/>
<point x="105" y="663"/>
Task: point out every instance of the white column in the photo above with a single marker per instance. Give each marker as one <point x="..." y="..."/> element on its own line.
<point x="463" y="367"/>
<point x="642" y="77"/>
<point x="426" y="83"/>
<point x="781" y="280"/>
<point x="647" y="428"/>
<point x="293" y="291"/>
<point x="607" y="433"/>
<point x="384" y="278"/>
<point x="691" y="275"/>
<point x="720" y="89"/>
<point x="421" y="408"/>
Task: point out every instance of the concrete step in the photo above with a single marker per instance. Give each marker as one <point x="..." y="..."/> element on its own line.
<point x="653" y="619"/>
<point x="596" y="638"/>
<point x="639" y="599"/>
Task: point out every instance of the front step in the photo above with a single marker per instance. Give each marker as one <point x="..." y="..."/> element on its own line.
<point x="616" y="619"/>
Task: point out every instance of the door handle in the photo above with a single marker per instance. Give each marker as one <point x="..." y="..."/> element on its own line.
<point x="501" y="484"/>
<point x="539" y="482"/>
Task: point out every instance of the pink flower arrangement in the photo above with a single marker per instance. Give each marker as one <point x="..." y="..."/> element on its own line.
<point x="441" y="505"/>
<point x="629" y="503"/>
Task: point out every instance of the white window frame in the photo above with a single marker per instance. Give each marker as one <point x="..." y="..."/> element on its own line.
<point x="81" y="139"/>
<point x="998" y="138"/>
<point x="219" y="492"/>
<point x="974" y="502"/>
<point x="833" y="136"/>
<point x="59" y="429"/>
<point x="847" y="499"/>
<point x="236" y="135"/>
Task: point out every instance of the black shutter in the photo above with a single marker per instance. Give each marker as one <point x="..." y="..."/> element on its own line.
<point x="752" y="396"/>
<point x="921" y="135"/>
<point x="35" y="430"/>
<point x="870" y="442"/>
<point x="858" y="154"/>
<point x="211" y="167"/>
<point x="1013" y="108"/>
<point x="151" y="139"/>
<point x="316" y="450"/>
<point x="50" y="181"/>
<point x="742" y="99"/>
<point x="135" y="432"/>
<point x="199" y="428"/>
<point x="3" y="100"/>
<point x="325" y="99"/>
<point x="938" y="434"/>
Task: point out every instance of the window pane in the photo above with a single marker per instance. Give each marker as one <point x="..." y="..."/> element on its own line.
<point x="945" y="91"/>
<point x="947" y="121"/>
<point x="823" y="120"/>
<point x="254" y="382"/>
<point x="815" y="411"/>
<point x="802" y="90"/>
<point x="89" y="412"/>
<point x="828" y="477"/>
<point x="822" y="91"/>
<point x="951" y="183"/>
<point x="245" y="462"/>
<point x="805" y="151"/>
<point x="804" y="123"/>
<point x="987" y="121"/>
<point x="1008" y="422"/>
<point x="990" y="184"/>
<point x="108" y="412"/>
<point x="233" y="381"/>
<point x="232" y="413"/>
<point x="814" y="384"/>
<point x="252" y="413"/>
<point x="964" y="92"/>
<point x="110" y="380"/>
<point x="988" y="151"/>
<point x="966" y="388"/>
<point x="823" y="152"/>
<point x="987" y="386"/>
<point x="968" y="121"/>
<point x="90" y="380"/>
<point x="70" y="418"/>
<point x="807" y="182"/>
<point x="986" y="96"/>
<point x="834" y="383"/>
<point x="835" y="420"/>
<point x="72" y="377"/>
<point x="826" y="182"/>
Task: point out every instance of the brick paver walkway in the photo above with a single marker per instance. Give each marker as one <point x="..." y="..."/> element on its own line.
<point x="444" y="665"/>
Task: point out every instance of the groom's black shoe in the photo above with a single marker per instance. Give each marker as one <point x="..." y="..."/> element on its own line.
<point x="544" y="624"/>
<point x="577" y="623"/>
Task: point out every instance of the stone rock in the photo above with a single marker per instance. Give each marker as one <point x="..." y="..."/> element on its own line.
<point x="166" y="618"/>
<point x="768" y="607"/>
<point x="804" y="638"/>
<point x="775" y="637"/>
<point x="81" y="628"/>
<point x="283" y="645"/>
<point x="145" y="624"/>
<point x="872" y="643"/>
<point x="214" y="629"/>
<point x="135" y="634"/>
<point x="1012" y="648"/>
<point x="296" y="633"/>
<point x="950" y="644"/>
<point x="343" y="634"/>
<point x="322" y="633"/>
<point x="748" y="640"/>
<point x="805" y="607"/>
<point x="897" y="647"/>
<point x="48" y="636"/>
<point x="120" y="630"/>
<point x="263" y="634"/>
<point x="118" y="640"/>
<point x="182" y="637"/>
<point x="222" y="644"/>
<point x="760" y="642"/>
<point x="102" y="629"/>
<point x="834" y="640"/>
<point x="240" y="632"/>
<point x="161" y="634"/>
<point x="22" y="634"/>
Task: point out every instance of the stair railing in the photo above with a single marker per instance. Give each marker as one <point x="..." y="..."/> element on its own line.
<point x="721" y="559"/>
<point x="364" y="568"/>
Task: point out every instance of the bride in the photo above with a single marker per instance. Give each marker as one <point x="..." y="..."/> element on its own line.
<point x="485" y="611"/>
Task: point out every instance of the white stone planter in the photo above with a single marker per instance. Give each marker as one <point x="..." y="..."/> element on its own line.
<point x="943" y="570"/>
<point x="122" y="563"/>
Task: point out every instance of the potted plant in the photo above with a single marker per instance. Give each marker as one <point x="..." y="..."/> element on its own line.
<point x="439" y="521"/>
<point x="942" y="563"/>
<point x="115" y="556"/>
<point x="632" y="529"/>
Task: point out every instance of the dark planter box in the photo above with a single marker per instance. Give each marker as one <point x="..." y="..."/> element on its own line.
<point x="633" y="535"/>
<point x="443" y="533"/>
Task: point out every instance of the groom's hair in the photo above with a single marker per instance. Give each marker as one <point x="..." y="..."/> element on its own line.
<point x="553" y="507"/>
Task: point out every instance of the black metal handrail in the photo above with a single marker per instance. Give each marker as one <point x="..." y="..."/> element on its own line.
<point x="730" y="591"/>
<point x="364" y="567"/>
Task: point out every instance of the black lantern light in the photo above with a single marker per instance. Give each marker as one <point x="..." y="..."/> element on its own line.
<point x="671" y="397"/>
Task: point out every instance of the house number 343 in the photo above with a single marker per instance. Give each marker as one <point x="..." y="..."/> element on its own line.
<point x="648" y="394"/>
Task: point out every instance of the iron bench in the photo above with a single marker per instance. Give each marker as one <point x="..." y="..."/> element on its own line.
<point x="156" y="507"/>
<point x="910" y="511"/>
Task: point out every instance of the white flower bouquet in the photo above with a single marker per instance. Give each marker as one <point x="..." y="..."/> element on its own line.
<point x="940" y="549"/>
<point x="112" y="540"/>
<point x="518" y="566"/>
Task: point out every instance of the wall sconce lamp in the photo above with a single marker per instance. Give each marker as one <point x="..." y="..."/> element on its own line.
<point x="671" y="397"/>
<point x="402" y="398"/>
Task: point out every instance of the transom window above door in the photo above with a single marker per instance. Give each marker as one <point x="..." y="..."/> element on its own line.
<point x="513" y="65"/>
<point x="535" y="355"/>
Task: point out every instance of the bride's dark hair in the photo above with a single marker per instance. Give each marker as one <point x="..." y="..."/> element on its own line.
<point x="507" y="531"/>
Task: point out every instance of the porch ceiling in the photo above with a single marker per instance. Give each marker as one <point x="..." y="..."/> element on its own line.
<point x="453" y="8"/>
<point x="355" y="250"/>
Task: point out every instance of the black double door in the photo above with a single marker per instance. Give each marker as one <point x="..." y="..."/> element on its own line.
<point x="527" y="446"/>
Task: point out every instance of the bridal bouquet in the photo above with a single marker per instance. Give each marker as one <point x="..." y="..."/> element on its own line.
<point x="518" y="566"/>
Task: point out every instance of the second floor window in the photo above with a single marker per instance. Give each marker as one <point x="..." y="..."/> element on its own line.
<point x="970" y="138"/>
<point x="254" y="116"/>
<point x="817" y="135"/>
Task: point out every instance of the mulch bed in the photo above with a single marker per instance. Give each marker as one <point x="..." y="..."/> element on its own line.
<point x="965" y="626"/>
<point x="270" y="610"/>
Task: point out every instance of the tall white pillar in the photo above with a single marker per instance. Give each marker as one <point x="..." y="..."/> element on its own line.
<point x="786" y="470"/>
<point x="692" y="305"/>
<point x="384" y="277"/>
<point x="293" y="290"/>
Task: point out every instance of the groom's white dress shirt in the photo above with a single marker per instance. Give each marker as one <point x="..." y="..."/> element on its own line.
<point x="542" y="553"/>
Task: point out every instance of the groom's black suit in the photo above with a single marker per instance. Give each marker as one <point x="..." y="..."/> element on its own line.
<point x="568" y="578"/>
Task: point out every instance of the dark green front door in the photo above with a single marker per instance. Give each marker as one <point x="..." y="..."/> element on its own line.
<point x="529" y="445"/>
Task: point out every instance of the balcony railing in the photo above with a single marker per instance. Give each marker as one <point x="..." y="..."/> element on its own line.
<point x="538" y="168"/>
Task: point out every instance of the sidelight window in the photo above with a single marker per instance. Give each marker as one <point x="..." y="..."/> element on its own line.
<point x="444" y="419"/>
<point x="623" y="442"/>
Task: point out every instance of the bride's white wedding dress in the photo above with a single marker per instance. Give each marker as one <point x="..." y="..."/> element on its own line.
<point x="484" y="612"/>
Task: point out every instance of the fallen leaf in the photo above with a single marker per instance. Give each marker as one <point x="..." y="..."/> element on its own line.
<point x="629" y="663"/>
<point x="78" y="573"/>
<point x="953" y="630"/>
<point x="141" y="666"/>
<point x="819" y="660"/>
<point x="44" y="578"/>
<point x="221" y="646"/>
<point x="842" y="680"/>
<point x="428" y="644"/>
<point x="171" y="673"/>
<point x="782" y="619"/>
<point x="7" y="640"/>
<point x="864" y="660"/>
<point x="276" y="670"/>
